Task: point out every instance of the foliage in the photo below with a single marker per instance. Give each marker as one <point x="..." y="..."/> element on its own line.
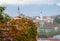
<point x="22" y="29"/>
<point x="1" y="36"/>
<point x="3" y="17"/>
<point x="25" y="30"/>
<point x="57" y="19"/>
<point x="2" y="8"/>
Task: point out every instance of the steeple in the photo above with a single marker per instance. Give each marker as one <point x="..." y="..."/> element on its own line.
<point x="18" y="11"/>
<point x="41" y="15"/>
<point x="18" y="8"/>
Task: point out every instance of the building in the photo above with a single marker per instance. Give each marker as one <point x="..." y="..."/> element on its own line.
<point x="19" y="14"/>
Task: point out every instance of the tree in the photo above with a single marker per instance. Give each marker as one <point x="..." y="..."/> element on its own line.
<point x="2" y="8"/>
<point x="23" y="29"/>
<point x="57" y="19"/>
<point x="3" y="19"/>
<point x="3" y="16"/>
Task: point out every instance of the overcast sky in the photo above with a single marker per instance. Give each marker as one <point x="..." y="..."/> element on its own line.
<point x="32" y="7"/>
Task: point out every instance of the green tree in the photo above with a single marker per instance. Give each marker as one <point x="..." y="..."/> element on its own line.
<point x="3" y="16"/>
<point x="57" y="19"/>
<point x="2" y="8"/>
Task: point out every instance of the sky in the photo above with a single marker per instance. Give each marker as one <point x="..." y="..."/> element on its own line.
<point x="32" y="7"/>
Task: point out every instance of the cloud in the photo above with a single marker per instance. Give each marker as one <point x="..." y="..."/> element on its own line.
<point x="26" y="1"/>
<point x="58" y="4"/>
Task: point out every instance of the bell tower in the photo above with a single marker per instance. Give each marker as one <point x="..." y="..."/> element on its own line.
<point x="19" y="12"/>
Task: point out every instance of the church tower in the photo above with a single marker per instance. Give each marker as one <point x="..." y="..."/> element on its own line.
<point x="19" y="12"/>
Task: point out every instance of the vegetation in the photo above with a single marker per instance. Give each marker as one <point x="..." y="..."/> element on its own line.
<point x="57" y="19"/>
<point x="3" y="16"/>
<point x="24" y="29"/>
<point x="21" y="29"/>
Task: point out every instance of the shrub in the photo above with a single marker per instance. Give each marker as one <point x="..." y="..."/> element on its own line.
<point x="22" y="29"/>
